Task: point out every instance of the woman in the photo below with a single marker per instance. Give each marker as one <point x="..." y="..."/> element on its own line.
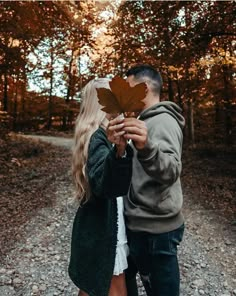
<point x="102" y="174"/>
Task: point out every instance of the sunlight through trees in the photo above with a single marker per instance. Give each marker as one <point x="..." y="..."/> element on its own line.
<point x="50" y="49"/>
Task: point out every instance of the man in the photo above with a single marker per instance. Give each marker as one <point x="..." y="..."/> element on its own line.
<point x="154" y="220"/>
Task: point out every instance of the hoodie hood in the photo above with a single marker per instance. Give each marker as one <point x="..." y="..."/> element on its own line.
<point x="164" y="107"/>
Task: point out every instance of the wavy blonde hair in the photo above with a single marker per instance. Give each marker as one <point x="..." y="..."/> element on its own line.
<point x="88" y="120"/>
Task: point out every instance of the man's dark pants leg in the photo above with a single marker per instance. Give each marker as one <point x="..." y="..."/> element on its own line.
<point x="155" y="256"/>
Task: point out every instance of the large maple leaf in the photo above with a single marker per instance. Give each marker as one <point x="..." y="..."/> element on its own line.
<point x="122" y="98"/>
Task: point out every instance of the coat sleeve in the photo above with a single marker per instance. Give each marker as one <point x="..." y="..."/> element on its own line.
<point x="108" y="176"/>
<point x="161" y="157"/>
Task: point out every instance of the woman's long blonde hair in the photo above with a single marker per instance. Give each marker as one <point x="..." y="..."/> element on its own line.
<point x="88" y="120"/>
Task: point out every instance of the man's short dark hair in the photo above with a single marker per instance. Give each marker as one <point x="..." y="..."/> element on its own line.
<point x="146" y="73"/>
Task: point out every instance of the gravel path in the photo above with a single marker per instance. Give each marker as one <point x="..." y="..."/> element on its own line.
<point x="38" y="263"/>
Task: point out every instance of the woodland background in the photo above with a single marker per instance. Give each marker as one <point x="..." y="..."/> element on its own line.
<point x="50" y="49"/>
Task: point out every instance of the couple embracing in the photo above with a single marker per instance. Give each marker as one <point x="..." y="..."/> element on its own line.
<point x="127" y="177"/>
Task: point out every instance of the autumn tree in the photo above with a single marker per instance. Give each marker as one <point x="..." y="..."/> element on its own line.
<point x="217" y="37"/>
<point x="50" y="25"/>
<point x="23" y="26"/>
<point x="176" y="38"/>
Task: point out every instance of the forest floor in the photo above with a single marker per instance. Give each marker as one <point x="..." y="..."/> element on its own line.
<point x="37" y="207"/>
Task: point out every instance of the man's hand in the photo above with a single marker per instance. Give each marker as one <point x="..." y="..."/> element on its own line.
<point x="115" y="134"/>
<point x="135" y="130"/>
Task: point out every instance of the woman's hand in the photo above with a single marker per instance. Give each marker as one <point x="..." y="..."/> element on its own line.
<point x="115" y="134"/>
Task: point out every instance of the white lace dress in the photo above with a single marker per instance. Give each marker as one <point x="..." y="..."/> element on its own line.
<point x="122" y="249"/>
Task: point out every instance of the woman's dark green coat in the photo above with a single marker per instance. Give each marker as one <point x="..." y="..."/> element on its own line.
<point x="94" y="235"/>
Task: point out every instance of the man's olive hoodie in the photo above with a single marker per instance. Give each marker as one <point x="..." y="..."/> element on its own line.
<point x="155" y="197"/>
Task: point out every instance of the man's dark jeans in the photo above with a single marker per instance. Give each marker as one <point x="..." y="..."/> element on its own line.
<point x="154" y="256"/>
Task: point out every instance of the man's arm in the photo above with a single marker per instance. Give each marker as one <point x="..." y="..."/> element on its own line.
<point x="159" y="148"/>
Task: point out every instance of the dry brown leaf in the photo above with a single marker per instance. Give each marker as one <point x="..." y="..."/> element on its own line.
<point x="122" y="98"/>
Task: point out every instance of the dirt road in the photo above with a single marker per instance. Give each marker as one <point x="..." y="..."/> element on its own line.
<point x="37" y="265"/>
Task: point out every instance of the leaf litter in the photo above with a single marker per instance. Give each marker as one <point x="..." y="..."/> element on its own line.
<point x="29" y="172"/>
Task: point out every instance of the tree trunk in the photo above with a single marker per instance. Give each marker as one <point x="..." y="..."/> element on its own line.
<point x="68" y="93"/>
<point x="49" y="125"/>
<point x="217" y="119"/>
<point x="15" y="103"/>
<point x="228" y="107"/>
<point x="23" y="95"/>
<point x="191" y="134"/>
<point x="170" y="90"/>
<point x="190" y="119"/>
<point x="121" y="60"/>
<point x="23" y="100"/>
<point x="5" y="94"/>
<point x="180" y="101"/>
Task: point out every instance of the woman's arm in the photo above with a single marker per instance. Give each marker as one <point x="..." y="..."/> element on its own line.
<point x="108" y="175"/>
